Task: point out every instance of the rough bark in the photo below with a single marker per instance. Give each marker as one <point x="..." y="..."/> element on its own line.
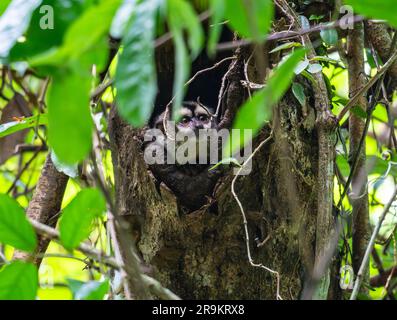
<point x="202" y="254"/>
<point x="380" y="38"/>
<point x="45" y="206"/>
<point x="359" y="195"/>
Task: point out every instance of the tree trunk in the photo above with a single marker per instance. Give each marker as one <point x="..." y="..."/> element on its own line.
<point x="202" y="254"/>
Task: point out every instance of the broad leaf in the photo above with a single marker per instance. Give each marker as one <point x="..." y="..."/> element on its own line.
<point x="135" y="75"/>
<point x="250" y="18"/>
<point x="84" y="35"/>
<point x="50" y="21"/>
<point x="71" y="170"/>
<point x="182" y="16"/>
<point x="69" y="119"/>
<point x="217" y="8"/>
<point x="15" y="229"/>
<point x="91" y="290"/>
<point x="299" y="93"/>
<point x="25" y="123"/>
<point x="287" y="45"/>
<point x="376" y="9"/>
<point x="18" y="281"/>
<point x="14" y="22"/>
<point x="122" y="17"/>
<point x="253" y="114"/>
<point x="77" y="218"/>
<point x="314" y="68"/>
<point x="3" y="5"/>
<point x="330" y="37"/>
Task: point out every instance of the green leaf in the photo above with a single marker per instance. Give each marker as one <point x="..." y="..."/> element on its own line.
<point x="91" y="290"/>
<point x="301" y="66"/>
<point x="69" y="118"/>
<point x="379" y="9"/>
<point x="182" y="71"/>
<point x="86" y="34"/>
<point x="17" y="10"/>
<point x="87" y="31"/>
<point x="15" y="126"/>
<point x="250" y="18"/>
<point x="15" y="229"/>
<point x="62" y="13"/>
<point x="71" y="170"/>
<point x="253" y="114"/>
<point x="182" y="16"/>
<point x="225" y="161"/>
<point x="135" y="75"/>
<point x="299" y="93"/>
<point x="122" y="18"/>
<point x="287" y="45"/>
<point x="3" y="5"/>
<point x="18" y="281"/>
<point x="314" y="68"/>
<point x="217" y="8"/>
<point x="330" y="37"/>
<point x="76" y="220"/>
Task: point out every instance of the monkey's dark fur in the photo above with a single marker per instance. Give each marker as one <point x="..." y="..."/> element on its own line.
<point x="192" y="184"/>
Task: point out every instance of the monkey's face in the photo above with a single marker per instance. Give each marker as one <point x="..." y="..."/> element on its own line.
<point x="193" y="119"/>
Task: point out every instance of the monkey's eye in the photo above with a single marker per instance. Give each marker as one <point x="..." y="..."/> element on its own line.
<point x="203" y="118"/>
<point x="185" y="120"/>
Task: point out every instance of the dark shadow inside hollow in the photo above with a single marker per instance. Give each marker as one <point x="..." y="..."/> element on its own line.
<point x="205" y="87"/>
<point x="192" y="184"/>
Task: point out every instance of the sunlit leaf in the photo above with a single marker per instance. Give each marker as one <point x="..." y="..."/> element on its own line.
<point x="329" y="36"/>
<point x="379" y="9"/>
<point x="314" y="68"/>
<point x="301" y="66"/>
<point x="91" y="290"/>
<point x="13" y="23"/>
<point x="25" y="123"/>
<point x="18" y="281"/>
<point x="250" y="18"/>
<point x="76" y="220"/>
<point x="121" y="18"/>
<point x="135" y="75"/>
<point x="71" y="170"/>
<point x="50" y="21"/>
<point x="3" y="5"/>
<point x="84" y="35"/>
<point x="15" y="229"/>
<point x="225" y="161"/>
<point x="287" y="45"/>
<point x="69" y="119"/>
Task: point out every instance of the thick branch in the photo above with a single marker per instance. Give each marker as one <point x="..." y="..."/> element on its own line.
<point x="380" y="280"/>
<point x="359" y="196"/>
<point x="381" y="40"/>
<point x="370" y="246"/>
<point x="45" y="205"/>
<point x="154" y="286"/>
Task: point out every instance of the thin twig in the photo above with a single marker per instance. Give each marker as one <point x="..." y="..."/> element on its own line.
<point x="370" y="83"/>
<point x="97" y="255"/>
<point x="370" y="246"/>
<point x="283" y="35"/>
<point x="247" y="238"/>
